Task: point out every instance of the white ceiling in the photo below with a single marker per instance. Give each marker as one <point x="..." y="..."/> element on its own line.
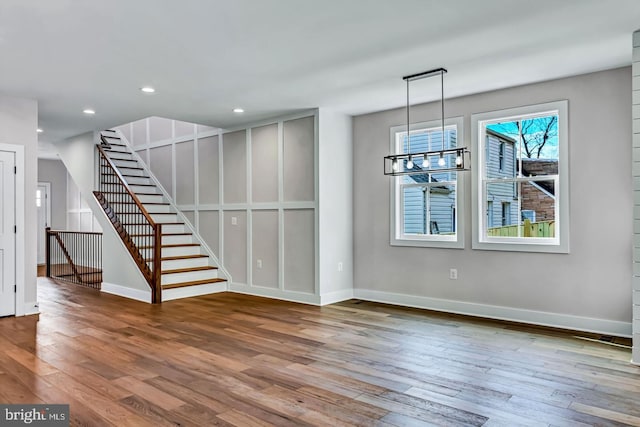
<point x="272" y="57"/>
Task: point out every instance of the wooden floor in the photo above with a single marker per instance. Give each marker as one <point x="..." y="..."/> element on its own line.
<point x="230" y="359"/>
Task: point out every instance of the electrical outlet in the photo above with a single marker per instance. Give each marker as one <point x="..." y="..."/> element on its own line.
<point x="234" y="220"/>
<point x="259" y="262"/>
<point x="453" y="274"/>
<point x="340" y="266"/>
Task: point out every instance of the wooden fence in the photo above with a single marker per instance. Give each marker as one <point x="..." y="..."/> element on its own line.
<point x="528" y="229"/>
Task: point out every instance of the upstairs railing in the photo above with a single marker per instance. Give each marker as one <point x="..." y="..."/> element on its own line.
<point x="74" y="256"/>
<point x="140" y="234"/>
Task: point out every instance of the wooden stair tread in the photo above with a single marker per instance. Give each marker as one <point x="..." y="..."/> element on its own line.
<point x="188" y="270"/>
<point x="193" y="283"/>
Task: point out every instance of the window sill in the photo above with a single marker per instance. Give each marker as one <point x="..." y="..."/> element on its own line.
<point x="513" y="245"/>
<point x="441" y="242"/>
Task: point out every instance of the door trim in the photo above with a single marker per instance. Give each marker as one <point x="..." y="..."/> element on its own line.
<point x="20" y="220"/>
<point x="47" y="213"/>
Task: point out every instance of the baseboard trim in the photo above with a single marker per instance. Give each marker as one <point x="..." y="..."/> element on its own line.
<point x="31" y="308"/>
<point x="123" y="291"/>
<point x="291" y="296"/>
<point x="336" y="296"/>
<point x="541" y="318"/>
<point x="193" y="291"/>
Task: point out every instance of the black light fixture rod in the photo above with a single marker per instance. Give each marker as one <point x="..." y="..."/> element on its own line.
<point x="424" y="74"/>
<point x="442" y="71"/>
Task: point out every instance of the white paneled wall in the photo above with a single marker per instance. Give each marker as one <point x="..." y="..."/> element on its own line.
<point x="79" y="214"/>
<point x="250" y="193"/>
<point x="636" y="195"/>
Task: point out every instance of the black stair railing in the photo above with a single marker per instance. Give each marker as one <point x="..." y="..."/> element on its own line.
<point x="141" y="235"/>
<point x="74" y="256"/>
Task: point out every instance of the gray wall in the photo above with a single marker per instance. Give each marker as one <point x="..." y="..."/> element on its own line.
<point x="588" y="288"/>
<point x="54" y="172"/>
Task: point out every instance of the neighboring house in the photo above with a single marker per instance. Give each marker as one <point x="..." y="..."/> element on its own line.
<point x="502" y="205"/>
<point x="432" y="213"/>
<point x="538" y="198"/>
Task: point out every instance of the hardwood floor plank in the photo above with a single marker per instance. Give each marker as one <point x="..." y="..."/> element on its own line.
<point x="237" y="360"/>
<point x="149" y="393"/>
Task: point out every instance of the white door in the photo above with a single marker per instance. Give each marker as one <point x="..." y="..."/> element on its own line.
<point x="44" y="214"/>
<point x="7" y="234"/>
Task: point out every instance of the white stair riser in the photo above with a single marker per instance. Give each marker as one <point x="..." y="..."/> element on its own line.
<point x="134" y="180"/>
<point x="157" y="208"/>
<point x="157" y="217"/>
<point x="185" y="263"/>
<point x="177" y="240"/>
<point x="173" y="228"/>
<point x="149" y="198"/>
<point x="190" y="276"/>
<point x="166" y="240"/>
<point x="130" y="171"/>
<point x="192" y="291"/>
<point x="164" y="217"/>
<point x="181" y="251"/>
<point x="113" y="155"/>
<point x="143" y="189"/>
<point x="171" y="252"/>
<point x="123" y="163"/>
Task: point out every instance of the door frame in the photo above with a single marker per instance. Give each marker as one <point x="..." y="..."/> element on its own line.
<point x="20" y="221"/>
<point x="47" y="213"/>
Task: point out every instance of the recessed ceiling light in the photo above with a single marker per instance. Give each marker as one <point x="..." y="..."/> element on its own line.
<point x="147" y="89"/>
<point x="238" y="110"/>
<point x="89" y="111"/>
<point x="39" y="130"/>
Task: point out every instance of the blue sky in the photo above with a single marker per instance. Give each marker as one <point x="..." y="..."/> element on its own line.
<point x="535" y="128"/>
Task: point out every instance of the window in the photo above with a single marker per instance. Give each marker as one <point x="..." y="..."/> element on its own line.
<point x="520" y="168"/>
<point x="425" y="207"/>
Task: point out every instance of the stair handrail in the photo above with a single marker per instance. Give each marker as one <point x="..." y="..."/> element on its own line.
<point x="153" y="277"/>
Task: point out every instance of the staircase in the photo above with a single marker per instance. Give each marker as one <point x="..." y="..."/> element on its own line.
<point x="143" y="217"/>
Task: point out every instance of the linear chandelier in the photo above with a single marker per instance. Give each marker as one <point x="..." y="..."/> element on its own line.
<point x="451" y="159"/>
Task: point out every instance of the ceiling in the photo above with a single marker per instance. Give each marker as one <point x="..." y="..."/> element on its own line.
<point x="273" y="57"/>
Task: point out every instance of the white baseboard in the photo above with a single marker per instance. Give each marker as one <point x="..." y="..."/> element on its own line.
<point x="336" y="296"/>
<point x="193" y="291"/>
<point x="542" y="318"/>
<point x="31" y="308"/>
<point x="259" y="291"/>
<point x="123" y="291"/>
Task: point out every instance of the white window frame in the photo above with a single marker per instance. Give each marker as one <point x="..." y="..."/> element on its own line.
<point x="397" y="236"/>
<point x="557" y="244"/>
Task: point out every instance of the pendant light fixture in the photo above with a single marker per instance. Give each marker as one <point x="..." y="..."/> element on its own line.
<point x="448" y="159"/>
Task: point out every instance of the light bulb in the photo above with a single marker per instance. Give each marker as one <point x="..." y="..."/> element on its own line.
<point x="410" y="163"/>
<point x="425" y="162"/>
<point x="394" y="165"/>
<point x="441" y="161"/>
<point x="459" y="160"/>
